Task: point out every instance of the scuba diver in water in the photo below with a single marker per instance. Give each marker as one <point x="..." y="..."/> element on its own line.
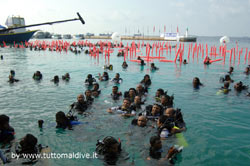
<point x="110" y="150"/>
<point x="124" y="65"/>
<point x="158" y="94"/>
<point x="55" y="79"/>
<point x="63" y="121"/>
<point x="117" y="79"/>
<point x="95" y="92"/>
<point x="146" y="81"/>
<point x="231" y="69"/>
<point x="141" y="121"/>
<point x="166" y="127"/>
<point x="153" y="67"/>
<point x="156" y="150"/>
<point x="37" y="76"/>
<point x="167" y="101"/>
<point x="124" y="110"/>
<point x="66" y="77"/>
<point x="104" y="76"/>
<point x="239" y="86"/>
<point x="80" y="106"/>
<point x="12" y="77"/>
<point x="115" y="93"/>
<point x="153" y="112"/>
<point x="7" y="133"/>
<point x="90" y="80"/>
<point x="27" y="150"/>
<point x="196" y="83"/>
<point x="89" y="98"/>
<point x="176" y="117"/>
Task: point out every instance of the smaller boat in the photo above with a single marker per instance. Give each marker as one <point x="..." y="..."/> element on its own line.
<point x="15" y="35"/>
<point x="16" y="31"/>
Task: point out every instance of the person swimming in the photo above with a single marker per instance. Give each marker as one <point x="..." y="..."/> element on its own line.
<point x="28" y="150"/>
<point x="66" y="77"/>
<point x="185" y="62"/>
<point x="167" y="101"/>
<point x="89" y="98"/>
<point x="117" y="79"/>
<point x="176" y="117"/>
<point x="110" y="149"/>
<point x="158" y="94"/>
<point x="196" y="83"/>
<point x="141" y="91"/>
<point x="153" y="67"/>
<point x="80" y="106"/>
<point x="137" y="104"/>
<point x="62" y="121"/>
<point x="104" y="76"/>
<point x="155" y="150"/>
<point x="7" y="133"/>
<point x="231" y="69"/>
<point x="141" y="121"/>
<point x="37" y="75"/>
<point x="153" y="112"/>
<point x="225" y="89"/>
<point x="142" y="63"/>
<point x="207" y="61"/>
<point x="115" y="94"/>
<point x="55" y="79"/>
<point x="124" y="65"/>
<point x="227" y="78"/>
<point x="239" y="86"/>
<point x="247" y="70"/>
<point x="95" y="92"/>
<point x="166" y="127"/>
<point x="146" y="81"/>
<point x="130" y="94"/>
<point x="89" y="81"/>
<point x="124" y="109"/>
<point x="12" y="79"/>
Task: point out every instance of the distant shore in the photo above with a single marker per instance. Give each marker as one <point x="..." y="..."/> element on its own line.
<point x="127" y="37"/>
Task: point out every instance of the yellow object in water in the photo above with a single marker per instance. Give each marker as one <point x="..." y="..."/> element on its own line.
<point x="222" y="91"/>
<point x="181" y="139"/>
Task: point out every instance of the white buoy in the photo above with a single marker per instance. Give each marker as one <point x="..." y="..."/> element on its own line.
<point x="116" y="38"/>
<point x="224" y="40"/>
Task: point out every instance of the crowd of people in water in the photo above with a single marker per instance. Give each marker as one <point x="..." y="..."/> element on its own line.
<point x="161" y="115"/>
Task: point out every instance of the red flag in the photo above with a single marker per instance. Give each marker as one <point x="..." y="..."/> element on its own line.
<point x="177" y="29"/>
<point x="164" y="28"/>
<point x="154" y="29"/>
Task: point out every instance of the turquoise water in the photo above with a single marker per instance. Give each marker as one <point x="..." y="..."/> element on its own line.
<point x="218" y="125"/>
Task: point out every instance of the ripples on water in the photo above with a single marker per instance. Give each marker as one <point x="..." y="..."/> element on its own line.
<point x="218" y="125"/>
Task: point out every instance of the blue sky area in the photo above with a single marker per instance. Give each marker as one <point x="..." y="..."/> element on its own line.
<point x="202" y="17"/>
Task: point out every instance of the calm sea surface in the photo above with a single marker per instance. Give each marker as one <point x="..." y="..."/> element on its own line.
<point x="218" y="126"/>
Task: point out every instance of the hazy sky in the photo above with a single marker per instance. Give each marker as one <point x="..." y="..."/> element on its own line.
<point x="202" y="17"/>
